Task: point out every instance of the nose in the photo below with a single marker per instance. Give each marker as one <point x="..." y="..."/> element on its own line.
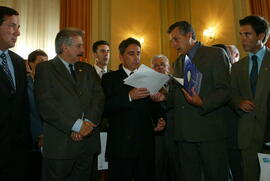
<point x="173" y="44"/>
<point x="82" y="49"/>
<point x="17" y="32"/>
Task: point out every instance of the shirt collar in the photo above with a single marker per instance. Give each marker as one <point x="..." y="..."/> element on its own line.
<point x="3" y="51"/>
<point x="259" y="53"/>
<point x="66" y="64"/>
<point x="193" y="50"/>
<point x="128" y="71"/>
<point x="98" y="69"/>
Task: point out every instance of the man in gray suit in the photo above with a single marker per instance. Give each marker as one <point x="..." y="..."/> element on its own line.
<point x="70" y="101"/>
<point x="199" y="125"/>
<point x="250" y="90"/>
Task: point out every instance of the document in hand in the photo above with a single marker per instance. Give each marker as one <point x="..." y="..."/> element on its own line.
<point x="192" y="77"/>
<point x="264" y="160"/>
<point x="146" y="77"/>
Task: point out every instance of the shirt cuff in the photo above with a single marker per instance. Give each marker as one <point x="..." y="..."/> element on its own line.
<point x="130" y="100"/>
<point x="87" y="120"/>
<point x="77" y="125"/>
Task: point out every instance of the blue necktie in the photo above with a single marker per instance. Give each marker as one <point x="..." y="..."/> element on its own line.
<point x="254" y="74"/>
<point x="6" y="69"/>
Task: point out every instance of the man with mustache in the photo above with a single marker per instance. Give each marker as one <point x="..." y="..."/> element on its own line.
<point x="70" y="101"/>
<point x="15" y="139"/>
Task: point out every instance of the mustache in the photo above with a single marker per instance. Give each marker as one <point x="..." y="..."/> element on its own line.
<point x="80" y="55"/>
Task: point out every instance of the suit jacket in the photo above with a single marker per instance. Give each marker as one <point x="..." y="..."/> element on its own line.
<point x="104" y="124"/>
<point x="131" y="129"/>
<point x="251" y="125"/>
<point x="36" y="122"/>
<point x="14" y="112"/>
<point x="207" y="123"/>
<point x="61" y="101"/>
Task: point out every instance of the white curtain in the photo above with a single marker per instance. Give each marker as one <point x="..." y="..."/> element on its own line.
<point x="39" y="20"/>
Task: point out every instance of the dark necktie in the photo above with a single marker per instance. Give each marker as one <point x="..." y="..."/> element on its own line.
<point x="131" y="73"/>
<point x="254" y="74"/>
<point x="72" y="72"/>
<point x="6" y="69"/>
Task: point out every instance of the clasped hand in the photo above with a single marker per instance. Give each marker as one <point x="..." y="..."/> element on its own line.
<point x="86" y="129"/>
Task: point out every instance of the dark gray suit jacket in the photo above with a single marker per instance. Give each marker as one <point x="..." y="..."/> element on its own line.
<point x="61" y="101"/>
<point x="207" y="123"/>
<point x="251" y="126"/>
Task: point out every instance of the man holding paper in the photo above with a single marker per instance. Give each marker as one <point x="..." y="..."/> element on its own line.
<point x="132" y="115"/>
<point x="200" y="128"/>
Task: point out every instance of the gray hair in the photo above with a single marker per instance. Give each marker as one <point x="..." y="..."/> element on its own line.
<point x="160" y="56"/>
<point x="65" y="37"/>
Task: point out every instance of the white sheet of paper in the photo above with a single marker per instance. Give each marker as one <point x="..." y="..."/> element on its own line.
<point x="264" y="160"/>
<point x="146" y="77"/>
<point x="102" y="163"/>
<point x="179" y="80"/>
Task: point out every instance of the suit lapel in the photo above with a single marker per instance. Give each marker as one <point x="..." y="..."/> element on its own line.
<point x="79" y="72"/>
<point x="244" y="73"/>
<point x="67" y="80"/>
<point x="264" y="75"/>
<point x="62" y="70"/>
<point x="3" y="76"/>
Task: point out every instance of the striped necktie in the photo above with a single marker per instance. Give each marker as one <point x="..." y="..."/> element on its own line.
<point x="6" y="69"/>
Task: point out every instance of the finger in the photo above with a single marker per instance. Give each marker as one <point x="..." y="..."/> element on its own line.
<point x="194" y="93"/>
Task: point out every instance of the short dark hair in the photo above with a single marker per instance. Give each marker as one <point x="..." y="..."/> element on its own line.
<point x="226" y="50"/>
<point x="125" y="43"/>
<point x="184" y="27"/>
<point x="64" y="36"/>
<point x="33" y="55"/>
<point x="258" y="24"/>
<point x="6" y="11"/>
<point x="97" y="43"/>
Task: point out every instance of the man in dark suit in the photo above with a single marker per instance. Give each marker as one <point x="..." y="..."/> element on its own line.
<point x="15" y="139"/>
<point x="35" y="58"/>
<point x="250" y="91"/>
<point x="166" y="155"/>
<point x="101" y="53"/>
<point x="132" y="115"/>
<point x="70" y="101"/>
<point x="200" y="128"/>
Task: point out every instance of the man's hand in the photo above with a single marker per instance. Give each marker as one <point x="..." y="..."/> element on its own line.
<point x="247" y="106"/>
<point x="158" y="97"/>
<point x="76" y="136"/>
<point x="195" y="99"/>
<point x="138" y="93"/>
<point x="87" y="128"/>
<point x="160" y="125"/>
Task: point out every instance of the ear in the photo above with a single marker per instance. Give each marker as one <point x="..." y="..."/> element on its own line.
<point x="121" y="58"/>
<point x="189" y="34"/>
<point x="95" y="55"/>
<point x="63" y="47"/>
<point x="261" y="36"/>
